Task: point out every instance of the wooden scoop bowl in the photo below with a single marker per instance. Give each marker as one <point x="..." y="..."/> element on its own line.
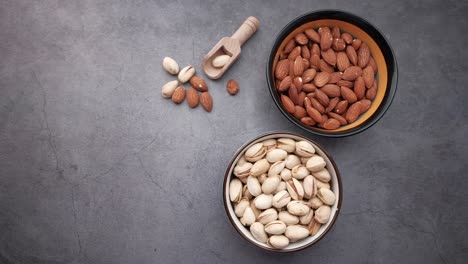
<point x="229" y="46"/>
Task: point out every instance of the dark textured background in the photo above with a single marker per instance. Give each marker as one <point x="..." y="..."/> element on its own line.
<point x="96" y="167"/>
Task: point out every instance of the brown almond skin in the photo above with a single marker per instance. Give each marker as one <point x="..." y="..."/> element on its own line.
<point x="352" y="55"/>
<point x="315" y="61"/>
<point x="306" y="63"/>
<point x="331" y="90"/>
<point x="298" y="66"/>
<point x="198" y="83"/>
<point x="329" y="56"/>
<point x="373" y="64"/>
<point x="179" y="95"/>
<point x="321" y="79"/>
<point x="290" y="46"/>
<point x="294" y="53"/>
<point x="291" y="69"/>
<point x="300" y="98"/>
<point x="347" y="38"/>
<point x="293" y="95"/>
<point x="324" y="119"/>
<point x="332" y="104"/>
<point x="363" y="55"/>
<point x="325" y="67"/>
<point x="288" y="104"/>
<point x="371" y="93"/>
<point x="322" y="30"/>
<point x="338" y="44"/>
<point x="345" y="83"/>
<point x="283" y="55"/>
<point x="341" y="107"/>
<point x="298" y="83"/>
<point x="331" y="124"/>
<point x="308" y="75"/>
<point x="368" y="76"/>
<point x="353" y="112"/>
<point x="326" y="40"/>
<point x="305" y="52"/>
<point x="299" y="112"/>
<point x="356" y="44"/>
<point x="309" y="87"/>
<point x="335" y="32"/>
<point x="307" y="102"/>
<point x="315" y="50"/>
<point x="335" y="77"/>
<point x="348" y="95"/>
<point x="308" y="121"/>
<point x="285" y="84"/>
<point x="301" y="39"/>
<point x="282" y="69"/>
<point x="342" y="61"/>
<point x="232" y="87"/>
<point x="365" y="105"/>
<point x="322" y="97"/>
<point x="315" y="104"/>
<point x="193" y="98"/>
<point x="314" y="114"/>
<point x="352" y="73"/>
<point x="340" y="119"/>
<point x="359" y="88"/>
<point x="206" y="101"/>
<point x="312" y="35"/>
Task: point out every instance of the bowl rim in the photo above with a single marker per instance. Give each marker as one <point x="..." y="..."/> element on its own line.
<point x="393" y="79"/>
<point x="339" y="182"/>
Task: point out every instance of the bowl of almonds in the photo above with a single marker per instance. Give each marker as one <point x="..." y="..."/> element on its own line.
<point x="332" y="73"/>
<point x="282" y="192"/>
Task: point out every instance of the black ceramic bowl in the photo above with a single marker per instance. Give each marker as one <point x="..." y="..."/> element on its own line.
<point x="380" y="49"/>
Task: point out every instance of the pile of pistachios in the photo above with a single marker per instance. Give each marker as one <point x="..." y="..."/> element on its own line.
<point x="281" y="191"/>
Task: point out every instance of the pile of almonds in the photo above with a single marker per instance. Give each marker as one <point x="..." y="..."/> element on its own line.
<point x="281" y="191"/>
<point x="326" y="78"/>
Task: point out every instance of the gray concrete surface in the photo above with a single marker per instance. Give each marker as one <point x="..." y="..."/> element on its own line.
<point x="96" y="167"/>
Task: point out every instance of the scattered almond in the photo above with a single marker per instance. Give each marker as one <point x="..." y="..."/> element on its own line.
<point x="198" y="83"/>
<point x="206" y="101"/>
<point x="179" y="95"/>
<point x="192" y="97"/>
<point x="232" y="87"/>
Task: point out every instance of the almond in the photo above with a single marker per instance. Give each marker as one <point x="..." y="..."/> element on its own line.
<point x="331" y="90"/>
<point x="365" y="105"/>
<point x="348" y="95"/>
<point x="338" y="44"/>
<point x="306" y="63"/>
<point x="307" y="102"/>
<point x="288" y="104"/>
<point x="285" y="84"/>
<point x="308" y="87"/>
<point x="299" y="112"/>
<point x="282" y="69"/>
<point x="192" y="97"/>
<point x="322" y="30"/>
<point x="179" y="95"/>
<point x="294" y="53"/>
<point x="298" y="83"/>
<point x="305" y="52"/>
<point x="321" y="79"/>
<point x="363" y="55"/>
<point x="314" y="114"/>
<point x="325" y="67"/>
<point x="293" y="94"/>
<point x="335" y="77"/>
<point x="315" y="49"/>
<point x="315" y="104"/>
<point x="312" y="35"/>
<point x="371" y="93"/>
<point x="206" y="101"/>
<point x="298" y="66"/>
<point x="352" y="55"/>
<point x="232" y="87"/>
<point x="198" y="83"/>
<point x="342" y="61"/>
<point x="283" y="55"/>
<point x="345" y="83"/>
<point x="290" y="46"/>
<point x="373" y="64"/>
<point x="308" y="75"/>
<point x="291" y="69"/>
<point x="329" y="56"/>
<point x="347" y="38"/>
<point x="300" y="98"/>
<point x="324" y="119"/>
<point x="359" y="88"/>
<point x="301" y="39"/>
<point x="335" y="32"/>
<point x="352" y="73"/>
<point x="340" y="119"/>
<point x="332" y="104"/>
<point x="322" y="97"/>
<point x="315" y="61"/>
<point x="331" y="124"/>
<point x="356" y="44"/>
<point x="353" y="112"/>
<point x="308" y="121"/>
<point x="326" y="40"/>
<point x="368" y="76"/>
<point x="341" y="107"/>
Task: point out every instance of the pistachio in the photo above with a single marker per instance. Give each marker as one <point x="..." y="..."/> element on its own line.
<point x="248" y="218"/>
<point x="288" y="218"/>
<point x="255" y="152"/>
<point x="170" y="65"/>
<point x="245" y="191"/>
<point x="322" y="175"/>
<point x="296" y="232"/>
<point x="275" y="227"/>
<point x="259" y="167"/>
<point x="255" y="210"/>
<point x="240" y="207"/>
<point x="315" y="163"/>
<point x="286" y="175"/>
<point x="275" y="155"/>
<point x="269" y="143"/>
<point x="262" y="178"/>
<point x="267" y="216"/>
<point x="305" y="219"/>
<point x="168" y="89"/>
<point x="243" y="180"/>
<point x="315" y="203"/>
<point x="299" y="172"/>
<point x="295" y="189"/>
<point x="235" y="190"/>
<point x="263" y="201"/>
<point x="220" y="60"/>
<point x="270" y="184"/>
<point x="322" y="214"/>
<point x="304" y="149"/>
<point x="292" y="161"/>
<point x="242" y="170"/>
<point x="314" y="227"/>
<point x="241" y="160"/>
<point x="304" y="160"/>
<point x="321" y="184"/>
<point x="254" y="186"/>
<point x="298" y="208"/>
<point x="278" y="241"/>
<point x="310" y="187"/>
<point x="287" y="144"/>
<point x="276" y="168"/>
<point x="281" y="199"/>
<point x="327" y="196"/>
<point x="186" y="73"/>
<point x="281" y="187"/>
<point x="258" y="232"/>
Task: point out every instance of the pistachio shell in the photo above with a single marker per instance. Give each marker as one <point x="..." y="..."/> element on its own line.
<point x="269" y="143"/>
<point x="281" y="199"/>
<point x="281" y="187"/>
<point x="314" y="227"/>
<point x="310" y="187"/>
<point x="259" y="167"/>
<point x="322" y="175"/>
<point x="304" y="149"/>
<point x="275" y="227"/>
<point x="298" y="208"/>
<point x="299" y="172"/>
<point x="241" y="160"/>
<point x="255" y="152"/>
<point x="276" y="168"/>
<point x="275" y="155"/>
<point x="186" y="73"/>
<point x="255" y="210"/>
<point x="315" y="163"/>
<point x="242" y="170"/>
<point x="258" y="232"/>
<point x="326" y="195"/>
<point x="270" y="184"/>
<point x="248" y="218"/>
<point x="240" y="207"/>
<point x="278" y="241"/>
<point x="245" y="191"/>
<point x="168" y="89"/>
<point x="315" y="203"/>
<point x="286" y="175"/>
<point x="288" y="218"/>
<point x="295" y="189"/>
<point x="262" y="178"/>
<point x="267" y="216"/>
<point x="287" y="144"/>
<point x="304" y="160"/>
<point x="253" y="185"/>
<point x="305" y="219"/>
<point x="263" y="201"/>
<point x="322" y="214"/>
<point x="235" y="190"/>
<point x="292" y="161"/>
<point x="321" y="184"/>
<point x="296" y="232"/>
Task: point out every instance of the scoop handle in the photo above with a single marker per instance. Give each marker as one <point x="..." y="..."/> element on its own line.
<point x="246" y="30"/>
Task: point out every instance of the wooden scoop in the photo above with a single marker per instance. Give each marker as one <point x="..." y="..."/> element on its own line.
<point x="229" y="46"/>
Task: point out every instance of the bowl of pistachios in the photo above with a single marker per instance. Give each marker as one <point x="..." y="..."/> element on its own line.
<point x="282" y="192"/>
